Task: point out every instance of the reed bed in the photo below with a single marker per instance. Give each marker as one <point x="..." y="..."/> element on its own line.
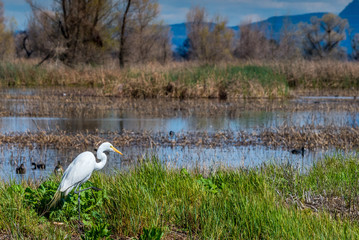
<point x="89" y="103"/>
<point x="181" y="80"/>
<point x="268" y="202"/>
<point x="237" y="80"/>
<point x="323" y="74"/>
<point x="309" y="137"/>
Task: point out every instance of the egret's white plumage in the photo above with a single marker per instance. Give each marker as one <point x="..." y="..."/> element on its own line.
<point x="80" y="170"/>
<point x="73" y="177"/>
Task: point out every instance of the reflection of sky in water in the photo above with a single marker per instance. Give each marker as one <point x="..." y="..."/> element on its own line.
<point x="188" y="157"/>
<point x="247" y="121"/>
<point x="203" y="158"/>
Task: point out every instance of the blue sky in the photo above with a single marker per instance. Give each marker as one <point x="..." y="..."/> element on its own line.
<point x="236" y="11"/>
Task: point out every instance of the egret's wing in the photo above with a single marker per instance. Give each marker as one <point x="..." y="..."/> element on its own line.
<point x="80" y="168"/>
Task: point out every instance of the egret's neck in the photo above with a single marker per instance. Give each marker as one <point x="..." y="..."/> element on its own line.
<point x="103" y="159"/>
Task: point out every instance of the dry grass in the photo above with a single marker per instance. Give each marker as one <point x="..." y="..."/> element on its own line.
<point x="191" y="79"/>
<point x="68" y="102"/>
<point x="320" y="74"/>
<point x="287" y="137"/>
<point x="175" y="80"/>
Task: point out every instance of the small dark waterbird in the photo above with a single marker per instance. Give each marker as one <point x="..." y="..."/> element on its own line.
<point x="58" y="170"/>
<point x="171" y="134"/>
<point x="298" y="151"/>
<point x="79" y="171"/>
<point x="172" y="138"/>
<point x="21" y="169"/>
<point x="39" y="165"/>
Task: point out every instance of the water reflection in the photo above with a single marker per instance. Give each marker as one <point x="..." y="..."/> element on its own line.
<point x="194" y="120"/>
<point x="206" y="159"/>
<point x="248" y="121"/>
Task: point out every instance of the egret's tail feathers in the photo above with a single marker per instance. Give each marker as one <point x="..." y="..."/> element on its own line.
<point x="54" y="201"/>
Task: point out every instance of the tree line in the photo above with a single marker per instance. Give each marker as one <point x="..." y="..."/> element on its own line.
<point x="93" y="31"/>
<point x="318" y="39"/>
<point x="131" y="32"/>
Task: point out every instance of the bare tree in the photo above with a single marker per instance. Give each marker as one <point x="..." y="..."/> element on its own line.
<point x="220" y="41"/>
<point x="122" y="34"/>
<point x="208" y="41"/>
<point x="75" y="31"/>
<point x="41" y="34"/>
<point x="7" y="46"/>
<point x="321" y="38"/>
<point x="197" y="33"/>
<point x="22" y="44"/>
<point x="289" y="42"/>
<point x="146" y="38"/>
<point x="252" y="43"/>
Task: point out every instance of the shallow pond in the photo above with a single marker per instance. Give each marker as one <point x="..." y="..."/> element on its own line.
<point x="246" y="118"/>
<point x="250" y="120"/>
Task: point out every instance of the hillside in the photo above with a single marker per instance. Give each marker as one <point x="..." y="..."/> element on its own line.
<point x="351" y="13"/>
<point x="273" y="25"/>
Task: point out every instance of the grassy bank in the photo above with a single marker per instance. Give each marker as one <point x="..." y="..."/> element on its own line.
<point x="178" y="80"/>
<point x="152" y="201"/>
<point x="190" y="79"/>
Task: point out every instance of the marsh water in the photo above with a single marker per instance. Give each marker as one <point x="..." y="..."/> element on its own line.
<point x="25" y="111"/>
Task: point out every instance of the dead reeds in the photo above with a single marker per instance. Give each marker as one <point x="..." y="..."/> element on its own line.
<point x="175" y="80"/>
<point x="191" y="79"/>
<point x="310" y="137"/>
<point x="314" y="76"/>
<point x="87" y="103"/>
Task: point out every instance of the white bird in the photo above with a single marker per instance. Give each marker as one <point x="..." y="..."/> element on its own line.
<point x="80" y="170"/>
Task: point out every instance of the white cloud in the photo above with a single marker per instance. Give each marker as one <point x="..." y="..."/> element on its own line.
<point x="250" y="18"/>
<point x="171" y="14"/>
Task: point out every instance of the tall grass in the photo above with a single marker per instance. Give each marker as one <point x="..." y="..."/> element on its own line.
<point x="269" y="79"/>
<point x="325" y="74"/>
<point x="175" y="203"/>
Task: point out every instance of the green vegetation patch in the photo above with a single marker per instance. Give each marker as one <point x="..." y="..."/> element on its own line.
<point x="263" y="74"/>
<point x="151" y="201"/>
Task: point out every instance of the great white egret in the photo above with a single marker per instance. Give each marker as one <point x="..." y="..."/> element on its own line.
<point x="80" y="170"/>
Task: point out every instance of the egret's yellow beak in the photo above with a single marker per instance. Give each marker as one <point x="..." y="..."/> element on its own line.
<point x="116" y="150"/>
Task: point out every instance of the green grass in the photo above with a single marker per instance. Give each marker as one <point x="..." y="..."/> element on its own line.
<point x="264" y="75"/>
<point x="236" y="81"/>
<point x="267" y="79"/>
<point x="188" y="82"/>
<point x="151" y="201"/>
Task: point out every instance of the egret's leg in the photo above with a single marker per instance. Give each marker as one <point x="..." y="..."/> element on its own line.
<point x="81" y="190"/>
<point x="78" y="199"/>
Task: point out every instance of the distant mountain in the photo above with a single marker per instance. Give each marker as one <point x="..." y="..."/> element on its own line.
<point x="179" y="33"/>
<point x="273" y="25"/>
<point x="351" y="13"/>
